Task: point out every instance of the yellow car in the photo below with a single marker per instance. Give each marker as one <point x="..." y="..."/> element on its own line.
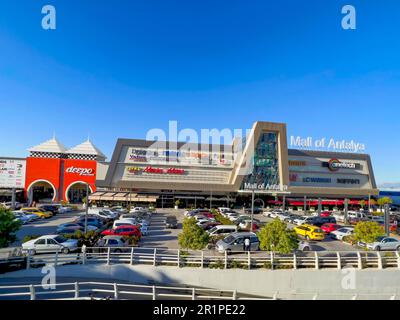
<point x="41" y="214"/>
<point x="310" y="232"/>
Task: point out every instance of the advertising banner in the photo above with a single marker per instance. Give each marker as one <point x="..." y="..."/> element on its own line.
<point x="12" y="173"/>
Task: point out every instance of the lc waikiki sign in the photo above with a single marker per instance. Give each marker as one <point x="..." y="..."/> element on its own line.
<point x="327" y="144"/>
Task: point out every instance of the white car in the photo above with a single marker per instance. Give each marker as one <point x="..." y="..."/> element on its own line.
<point x="223" y="209"/>
<point x="105" y="213"/>
<point x="50" y="243"/>
<point x="62" y="209"/>
<point x="341" y="233"/>
<point x="130" y="222"/>
<point x="303" y="220"/>
<point x="137" y="209"/>
<point x="200" y="222"/>
<point x="275" y="214"/>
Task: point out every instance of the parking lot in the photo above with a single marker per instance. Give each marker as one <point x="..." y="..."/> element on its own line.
<point x="158" y="236"/>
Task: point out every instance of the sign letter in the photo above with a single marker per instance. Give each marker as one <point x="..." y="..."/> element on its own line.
<point x="49" y="20"/>
<point x="349" y="20"/>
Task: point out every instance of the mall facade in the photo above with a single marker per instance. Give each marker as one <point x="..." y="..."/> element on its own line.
<point x="162" y="172"/>
<point x="198" y="174"/>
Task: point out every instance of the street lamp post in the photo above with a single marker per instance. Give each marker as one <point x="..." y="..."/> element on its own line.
<point x="87" y="207"/>
<point x="252" y="211"/>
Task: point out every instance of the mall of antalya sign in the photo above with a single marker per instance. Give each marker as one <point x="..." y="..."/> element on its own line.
<point x="310" y="143"/>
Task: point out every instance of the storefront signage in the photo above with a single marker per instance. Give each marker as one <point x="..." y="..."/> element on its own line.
<point x="265" y="187"/>
<point x="326" y="144"/>
<point x="316" y="180"/>
<point x="348" y="181"/>
<point x="12" y="173"/>
<point x="297" y="163"/>
<point x="336" y="164"/>
<point x="80" y="171"/>
<point x="152" y="170"/>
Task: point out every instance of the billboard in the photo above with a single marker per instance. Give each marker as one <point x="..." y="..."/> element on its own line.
<point x="12" y="173"/>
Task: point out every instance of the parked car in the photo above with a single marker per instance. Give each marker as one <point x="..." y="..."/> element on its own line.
<point x="49" y="207"/>
<point x="330" y="227"/>
<point x="303" y="220"/>
<point x="40" y="213"/>
<point x="118" y="223"/>
<point x="210" y="225"/>
<point x="310" y="232"/>
<point x="320" y="221"/>
<point x="91" y="221"/>
<point x="77" y="226"/>
<point x="291" y="218"/>
<point x="144" y="229"/>
<point x="124" y="230"/>
<point x="69" y="231"/>
<point x="235" y="242"/>
<point x="138" y="209"/>
<point x="222" y="230"/>
<point x="50" y="243"/>
<point x="21" y="217"/>
<point x="171" y="223"/>
<point x="8" y="205"/>
<point x="116" y="243"/>
<point x="306" y="246"/>
<point x="342" y="232"/>
<point x="30" y="216"/>
<point x="64" y="209"/>
<point x="383" y="243"/>
<point x="325" y="214"/>
<point x="256" y="210"/>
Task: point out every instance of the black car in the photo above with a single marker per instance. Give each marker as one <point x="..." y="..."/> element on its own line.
<point x="172" y="223"/>
<point x="256" y="211"/>
<point x="91" y="221"/>
<point x="320" y="221"/>
<point x="51" y="208"/>
<point x="69" y="230"/>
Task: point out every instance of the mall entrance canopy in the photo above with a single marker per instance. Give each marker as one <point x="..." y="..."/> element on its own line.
<point x="121" y="197"/>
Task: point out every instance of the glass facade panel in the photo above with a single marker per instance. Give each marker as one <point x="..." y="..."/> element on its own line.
<point x="265" y="162"/>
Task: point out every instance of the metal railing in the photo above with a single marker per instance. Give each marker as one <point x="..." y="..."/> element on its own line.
<point x="208" y="259"/>
<point x="122" y="291"/>
<point x="115" y="291"/>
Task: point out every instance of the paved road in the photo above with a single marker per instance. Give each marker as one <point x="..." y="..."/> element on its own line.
<point x="43" y="227"/>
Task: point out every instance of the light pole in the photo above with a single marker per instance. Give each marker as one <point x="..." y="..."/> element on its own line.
<point x="252" y="211"/>
<point x="87" y="206"/>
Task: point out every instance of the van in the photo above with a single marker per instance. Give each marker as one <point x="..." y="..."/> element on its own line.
<point x="130" y="222"/>
<point x="222" y="230"/>
<point x="235" y="242"/>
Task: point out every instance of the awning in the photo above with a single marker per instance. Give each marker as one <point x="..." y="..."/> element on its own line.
<point x="121" y="196"/>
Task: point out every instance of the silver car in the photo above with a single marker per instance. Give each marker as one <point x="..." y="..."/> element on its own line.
<point x="383" y="243"/>
<point x="51" y="243"/>
<point x="236" y="242"/>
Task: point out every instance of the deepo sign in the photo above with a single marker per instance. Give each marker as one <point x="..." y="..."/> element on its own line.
<point x="80" y="171"/>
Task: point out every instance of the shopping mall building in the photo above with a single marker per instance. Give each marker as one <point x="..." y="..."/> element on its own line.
<point x="163" y="172"/>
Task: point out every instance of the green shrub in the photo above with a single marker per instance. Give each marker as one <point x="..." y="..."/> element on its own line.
<point x="30" y="237"/>
<point x="368" y="231"/>
<point x="192" y="236"/>
<point x="8" y="227"/>
<point x="277" y="237"/>
<point x="219" y="264"/>
<point x="221" y="219"/>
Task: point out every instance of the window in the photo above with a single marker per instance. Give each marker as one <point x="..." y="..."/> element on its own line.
<point x="41" y="242"/>
<point x="265" y="161"/>
<point x="112" y="242"/>
<point x="51" y="241"/>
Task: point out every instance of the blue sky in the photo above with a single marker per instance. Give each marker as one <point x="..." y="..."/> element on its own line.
<point x="119" y="68"/>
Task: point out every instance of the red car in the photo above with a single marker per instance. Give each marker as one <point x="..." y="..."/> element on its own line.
<point x="208" y="215"/>
<point x="128" y="231"/>
<point x="330" y="227"/>
<point x="325" y="214"/>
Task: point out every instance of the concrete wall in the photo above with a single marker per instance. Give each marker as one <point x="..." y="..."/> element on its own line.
<point x="289" y="283"/>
